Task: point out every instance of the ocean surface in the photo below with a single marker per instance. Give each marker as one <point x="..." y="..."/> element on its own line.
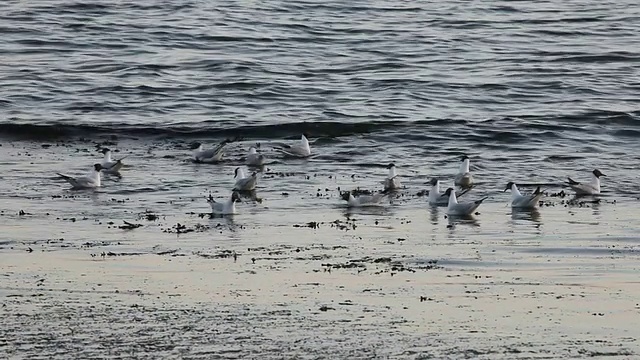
<point x="532" y="92"/>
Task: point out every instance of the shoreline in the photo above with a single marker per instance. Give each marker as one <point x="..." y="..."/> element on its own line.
<point x="508" y="314"/>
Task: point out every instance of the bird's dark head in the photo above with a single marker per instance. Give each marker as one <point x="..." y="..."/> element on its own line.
<point x="105" y="150"/>
<point x="434" y="182"/>
<point x="448" y="192"/>
<point x="464" y="157"/>
<point x="306" y="134"/>
<point x="509" y="185"/>
<point x="597" y="173"/>
<point x="97" y="167"/>
<point x="194" y="145"/>
<point x="345" y="195"/>
<point x="235" y="197"/>
<point x="235" y="172"/>
<point x="391" y="165"/>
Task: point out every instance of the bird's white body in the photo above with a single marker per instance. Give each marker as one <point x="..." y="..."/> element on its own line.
<point x="209" y="155"/>
<point x="529" y="201"/>
<point x="254" y="158"/>
<point x="591" y="188"/>
<point x="90" y="181"/>
<point x="365" y="200"/>
<point x="464" y="177"/>
<point x="302" y="149"/>
<point x="436" y="198"/>
<point x="244" y="183"/>
<point x="223" y="208"/>
<point x="392" y="182"/>
<point x="110" y="166"/>
<point x="461" y="209"/>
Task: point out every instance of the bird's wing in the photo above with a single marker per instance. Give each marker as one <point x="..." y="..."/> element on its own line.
<point x="466" y="190"/>
<point x="216" y="150"/>
<point x="242" y="184"/>
<point x="71" y="180"/>
<point x="468" y="208"/>
<point x="478" y="202"/>
<point x="211" y="153"/>
<point x="572" y="182"/>
<point x="66" y="177"/>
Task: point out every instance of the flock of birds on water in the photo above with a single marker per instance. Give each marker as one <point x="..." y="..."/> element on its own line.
<point x="247" y="183"/>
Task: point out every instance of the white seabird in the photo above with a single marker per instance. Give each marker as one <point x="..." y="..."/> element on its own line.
<point x="591" y="188"/>
<point x="363" y="200"/>
<point x="90" y="181"/>
<point x="392" y="182"/>
<point x="518" y="200"/>
<point x="244" y="183"/>
<point x="464" y="178"/>
<point x="227" y="207"/>
<point x="461" y="209"/>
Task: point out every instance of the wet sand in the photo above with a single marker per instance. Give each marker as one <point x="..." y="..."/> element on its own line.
<point x="296" y="274"/>
<point x="394" y="287"/>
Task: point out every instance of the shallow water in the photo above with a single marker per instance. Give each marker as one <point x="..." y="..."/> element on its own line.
<point x="531" y="93"/>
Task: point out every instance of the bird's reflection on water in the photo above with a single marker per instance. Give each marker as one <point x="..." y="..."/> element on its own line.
<point x="454" y="221"/>
<point x="367" y="210"/>
<point x="532" y="215"/>
<point x="250" y="195"/>
<point x="228" y="219"/>
<point x="435" y="215"/>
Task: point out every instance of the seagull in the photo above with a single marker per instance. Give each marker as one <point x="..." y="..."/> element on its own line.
<point x="391" y="182"/>
<point x="110" y="166"/>
<point x="255" y="159"/>
<point x="518" y="200"/>
<point x="224" y="208"/>
<point x="592" y="188"/>
<point x="214" y="155"/>
<point x="90" y="181"/>
<point x="363" y="200"/>
<point x="436" y="198"/>
<point x="300" y="149"/>
<point x="244" y="183"/>
<point x="464" y="178"/>
<point x="460" y="209"/>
